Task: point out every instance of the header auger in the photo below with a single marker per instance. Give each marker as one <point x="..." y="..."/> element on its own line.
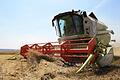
<point x="82" y="39"/>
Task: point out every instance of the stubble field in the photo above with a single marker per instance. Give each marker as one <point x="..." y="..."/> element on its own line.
<point x="14" y="67"/>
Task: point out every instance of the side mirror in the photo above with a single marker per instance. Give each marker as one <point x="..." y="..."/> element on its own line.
<point x="111" y="31"/>
<point x="52" y="23"/>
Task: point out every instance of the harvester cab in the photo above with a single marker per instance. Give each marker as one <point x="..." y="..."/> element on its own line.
<point x="77" y="24"/>
<point x="74" y="24"/>
<point x="82" y="39"/>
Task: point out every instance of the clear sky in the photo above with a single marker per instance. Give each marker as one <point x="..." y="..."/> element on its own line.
<point x="29" y="21"/>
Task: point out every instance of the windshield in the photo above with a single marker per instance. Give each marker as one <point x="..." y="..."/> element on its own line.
<point x="66" y="26"/>
<point x="69" y="25"/>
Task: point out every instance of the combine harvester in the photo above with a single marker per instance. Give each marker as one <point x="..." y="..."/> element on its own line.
<point x="82" y="39"/>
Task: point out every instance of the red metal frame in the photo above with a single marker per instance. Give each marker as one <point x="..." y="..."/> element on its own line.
<point x="65" y="50"/>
